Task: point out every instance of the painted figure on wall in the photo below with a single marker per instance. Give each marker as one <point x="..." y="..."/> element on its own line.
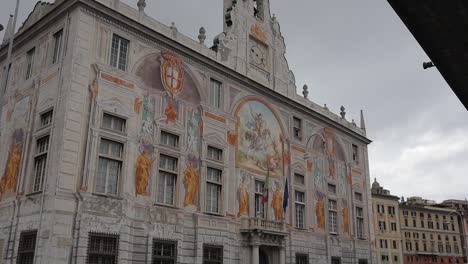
<point x="277" y="203"/>
<point x="191" y="185"/>
<point x="330" y="146"/>
<point x="260" y="141"/>
<point x="243" y="198"/>
<point x="10" y="177"/>
<point x="193" y="131"/>
<point x="318" y="173"/>
<point x="170" y="111"/>
<point x="320" y="210"/>
<point x="343" y="179"/>
<point x="143" y="167"/>
<point x="345" y="217"/>
<point x="149" y="108"/>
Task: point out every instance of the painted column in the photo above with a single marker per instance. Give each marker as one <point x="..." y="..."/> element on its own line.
<point x="255" y="255"/>
<point x="282" y="255"/>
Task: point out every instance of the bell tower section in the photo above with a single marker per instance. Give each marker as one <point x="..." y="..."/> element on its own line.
<point x="252" y="45"/>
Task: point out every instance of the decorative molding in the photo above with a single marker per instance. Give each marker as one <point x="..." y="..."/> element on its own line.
<point x="215" y="117"/>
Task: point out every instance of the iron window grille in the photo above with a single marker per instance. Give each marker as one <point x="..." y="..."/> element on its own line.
<point x="102" y="248"/>
<point x="164" y="252"/>
<point x="212" y="254"/>
<point x="26" y="248"/>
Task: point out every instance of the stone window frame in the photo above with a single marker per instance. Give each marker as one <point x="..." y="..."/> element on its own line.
<point x="102" y="235"/>
<point x="30" y="60"/>
<point x="57" y="51"/>
<point x="28" y="249"/>
<point x="217" y="165"/>
<point x="360" y="217"/>
<point x="166" y="242"/>
<point x="300" y="258"/>
<point x="120" y="37"/>
<point x="177" y="174"/>
<point x="222" y="93"/>
<point x="122" y="159"/>
<point x="333" y="226"/>
<point x="299" y="130"/>
<point x="207" y="247"/>
<point x="304" y="207"/>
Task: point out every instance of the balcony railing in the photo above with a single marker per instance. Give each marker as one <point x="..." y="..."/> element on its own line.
<point x="262" y="224"/>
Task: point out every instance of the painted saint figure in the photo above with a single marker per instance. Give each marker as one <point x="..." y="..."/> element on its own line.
<point x="171" y="112"/>
<point x="243" y="199"/>
<point x="277" y="204"/>
<point x="143" y="166"/>
<point x="320" y="211"/>
<point x="9" y="180"/>
<point x="191" y="185"/>
<point x="346" y="220"/>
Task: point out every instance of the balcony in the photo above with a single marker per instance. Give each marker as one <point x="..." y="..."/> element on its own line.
<point x="262" y="225"/>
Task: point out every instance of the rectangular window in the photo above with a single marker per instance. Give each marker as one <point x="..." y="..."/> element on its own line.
<point x="113" y="123"/>
<point x="355" y="153"/>
<point x="394" y="226"/>
<point x="360" y="222"/>
<point x="46" y="118"/>
<point x="416" y="245"/>
<point x="259" y="206"/>
<point x="333" y="216"/>
<point x="57" y="54"/>
<point x="212" y="254"/>
<point x="216" y="93"/>
<point x="406" y="222"/>
<point x="384" y="258"/>
<point x="40" y="162"/>
<point x="422" y="223"/>
<point x="215" y="153"/>
<point x="362" y="261"/>
<point x="26" y="248"/>
<point x="29" y="63"/>
<point x="383" y="243"/>
<point x="109" y="166"/>
<point x="381" y="209"/>
<point x="297" y="128"/>
<point x="167" y="179"/>
<point x="395" y="245"/>
<point x="102" y="248"/>
<point x="300" y="210"/>
<point x="169" y="139"/>
<point x="336" y="260"/>
<point x="391" y="210"/>
<point x="405" y="213"/>
<point x="331" y="188"/>
<point x="382" y="226"/>
<point x="302" y="259"/>
<point x="358" y="196"/>
<point x="119" y="52"/>
<point x="430" y="225"/>
<point x="213" y="190"/>
<point x="299" y="179"/>
<point x="424" y="246"/>
<point x="164" y="252"/>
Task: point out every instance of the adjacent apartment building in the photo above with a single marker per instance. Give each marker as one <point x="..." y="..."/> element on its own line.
<point x="387" y="225"/>
<point x="461" y="206"/>
<point x="430" y="233"/>
<point x="124" y="141"/>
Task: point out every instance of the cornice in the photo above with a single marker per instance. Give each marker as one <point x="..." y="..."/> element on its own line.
<point x="163" y="42"/>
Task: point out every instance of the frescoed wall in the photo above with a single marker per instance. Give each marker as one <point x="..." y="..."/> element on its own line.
<point x="260" y="142"/>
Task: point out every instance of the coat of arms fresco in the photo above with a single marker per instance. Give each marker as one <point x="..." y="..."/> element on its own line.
<point x="260" y="142"/>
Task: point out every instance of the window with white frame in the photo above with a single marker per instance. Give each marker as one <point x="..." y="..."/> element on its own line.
<point x="297" y="128"/>
<point x="40" y="162"/>
<point x="169" y="139"/>
<point x="29" y="63"/>
<point x="216" y="93"/>
<point x="57" y="52"/>
<point x="213" y="190"/>
<point x="167" y="180"/>
<point x="114" y="123"/>
<point x="299" y="179"/>
<point x="215" y="153"/>
<point x="46" y="118"/>
<point x="360" y="222"/>
<point x="259" y="206"/>
<point x="333" y="216"/>
<point x="119" y="52"/>
<point x="300" y="210"/>
<point x="109" y="166"/>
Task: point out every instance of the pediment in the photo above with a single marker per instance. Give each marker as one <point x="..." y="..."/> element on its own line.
<point x="115" y="106"/>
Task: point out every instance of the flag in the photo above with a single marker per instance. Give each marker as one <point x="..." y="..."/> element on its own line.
<point x="286" y="196"/>
<point x="266" y="186"/>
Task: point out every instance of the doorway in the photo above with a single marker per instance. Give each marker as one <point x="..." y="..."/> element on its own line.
<point x="263" y="258"/>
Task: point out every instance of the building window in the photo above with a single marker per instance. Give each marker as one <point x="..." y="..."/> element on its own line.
<point x="167" y="179"/>
<point x="332" y="188"/>
<point x="212" y="254"/>
<point x="332" y="216"/>
<point x="414" y="222"/>
<point x="57" y="54"/>
<point x="383" y="243"/>
<point x="215" y="153"/>
<point x="26" y="248"/>
<point x="169" y="139"/>
<point x="302" y="259"/>
<point x="259" y="193"/>
<point x="358" y="196"/>
<point x="395" y="244"/>
<point x="424" y="246"/>
<point x="297" y="128"/>
<point x="395" y="258"/>
<point x="40" y="162"/>
<point x="406" y="221"/>
<point x="109" y="167"/>
<point x="213" y="190"/>
<point x="430" y="225"/>
<point x="46" y="118"/>
<point x="102" y="248"/>
<point x="409" y="246"/>
<point x="382" y="226"/>
<point x="29" y="63"/>
<point x="216" y="93"/>
<point x="405" y="213"/>
<point x="336" y="260"/>
<point x="456" y="249"/>
<point x="360" y="222"/>
<point x="113" y="123"/>
<point x="448" y="248"/>
<point x="394" y="226"/>
<point x="300" y="210"/>
<point x="380" y="209"/>
<point x="164" y="252"/>
<point x="299" y="179"/>
<point x="119" y="52"/>
<point x="391" y="210"/>
<point x="416" y="245"/>
<point x="422" y="223"/>
<point x="362" y="261"/>
<point x="355" y="153"/>
<point x="441" y="247"/>
<point x="385" y="258"/>
<point x="258" y="9"/>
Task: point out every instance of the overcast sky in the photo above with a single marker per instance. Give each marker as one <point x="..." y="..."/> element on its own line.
<point x="358" y="54"/>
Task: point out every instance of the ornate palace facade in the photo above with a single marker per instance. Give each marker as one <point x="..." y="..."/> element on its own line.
<point x="124" y="141"/>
